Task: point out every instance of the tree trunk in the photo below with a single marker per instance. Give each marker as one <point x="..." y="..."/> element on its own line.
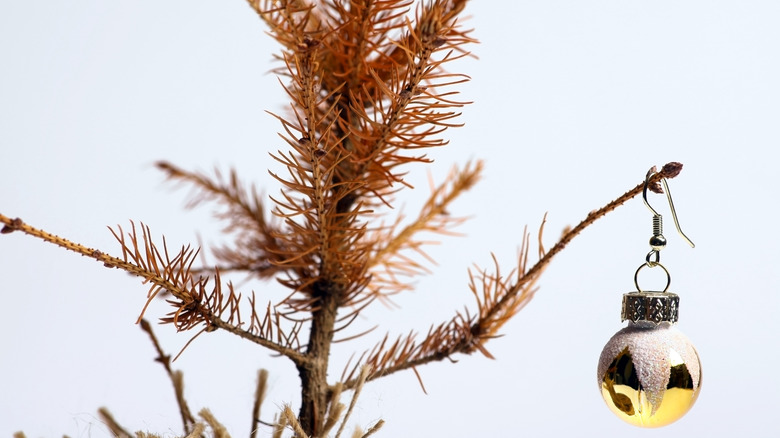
<point x="314" y="372"/>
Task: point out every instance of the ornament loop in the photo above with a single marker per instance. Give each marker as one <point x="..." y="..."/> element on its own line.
<point x="652" y="265"/>
<point x="654" y="253"/>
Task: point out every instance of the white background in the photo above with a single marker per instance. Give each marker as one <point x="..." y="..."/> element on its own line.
<point x="573" y="102"/>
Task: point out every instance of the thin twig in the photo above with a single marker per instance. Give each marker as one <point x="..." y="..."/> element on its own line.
<point x="364" y="373"/>
<point x="294" y="423"/>
<point x="197" y="431"/>
<point x="216" y="427"/>
<point x="176" y="378"/>
<point x="280" y="426"/>
<point x="117" y="430"/>
<point x="335" y="409"/>
<point x="374" y="429"/>
<point x="262" y="380"/>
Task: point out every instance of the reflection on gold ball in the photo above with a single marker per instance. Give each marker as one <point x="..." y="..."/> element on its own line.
<point x="649" y="376"/>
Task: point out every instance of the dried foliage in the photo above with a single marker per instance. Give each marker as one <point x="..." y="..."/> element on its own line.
<point x="112" y="425"/>
<point x="336" y="413"/>
<point x="369" y="92"/>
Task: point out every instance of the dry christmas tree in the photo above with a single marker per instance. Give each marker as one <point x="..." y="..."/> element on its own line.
<point x="371" y="90"/>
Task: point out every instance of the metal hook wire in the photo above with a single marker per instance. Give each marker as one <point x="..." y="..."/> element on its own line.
<point x="650" y="173"/>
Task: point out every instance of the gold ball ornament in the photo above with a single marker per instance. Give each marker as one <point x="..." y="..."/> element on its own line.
<point x="649" y="372"/>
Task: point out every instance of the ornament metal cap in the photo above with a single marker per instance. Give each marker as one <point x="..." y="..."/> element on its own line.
<point x="651" y="306"/>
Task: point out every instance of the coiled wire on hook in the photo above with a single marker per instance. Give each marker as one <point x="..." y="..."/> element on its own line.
<point x="658" y="241"/>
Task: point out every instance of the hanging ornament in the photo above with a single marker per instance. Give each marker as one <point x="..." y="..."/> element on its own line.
<point x="649" y="372"/>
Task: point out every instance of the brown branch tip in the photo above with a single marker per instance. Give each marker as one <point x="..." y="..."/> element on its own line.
<point x="669" y="170"/>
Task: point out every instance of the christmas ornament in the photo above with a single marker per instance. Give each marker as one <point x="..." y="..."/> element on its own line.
<point x="649" y="372"/>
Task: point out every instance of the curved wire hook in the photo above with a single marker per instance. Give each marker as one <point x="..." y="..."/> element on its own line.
<point x="650" y="173"/>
